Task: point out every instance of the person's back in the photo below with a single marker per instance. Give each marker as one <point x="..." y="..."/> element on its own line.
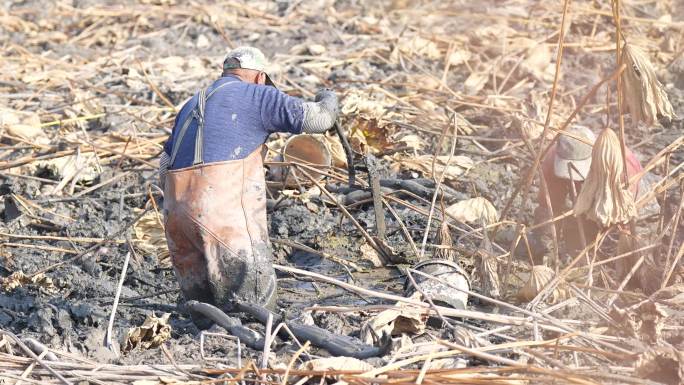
<point x="212" y="174"/>
<point x="239" y="117"/>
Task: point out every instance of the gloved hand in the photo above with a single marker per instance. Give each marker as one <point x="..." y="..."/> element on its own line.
<point x="320" y="116"/>
<point x="325" y="93"/>
<point x="328" y="100"/>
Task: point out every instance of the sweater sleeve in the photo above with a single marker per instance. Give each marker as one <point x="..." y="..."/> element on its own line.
<point x="279" y="111"/>
<point x="319" y="116"/>
<point x="284" y="113"/>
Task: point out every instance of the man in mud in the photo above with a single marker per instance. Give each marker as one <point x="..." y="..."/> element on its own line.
<point x="564" y="169"/>
<point x="212" y="174"/>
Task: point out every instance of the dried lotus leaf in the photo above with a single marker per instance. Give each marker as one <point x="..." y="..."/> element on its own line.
<point x="82" y="168"/>
<point x="475" y="82"/>
<point x="423" y="163"/>
<point x="370" y="254"/>
<point x="19" y="279"/>
<point x="411" y="141"/>
<point x="473" y="210"/>
<point x="459" y="56"/>
<point x="603" y="199"/>
<point x="357" y="102"/>
<point x="21" y="124"/>
<point x="539" y="62"/>
<point x="339" y="157"/>
<point x="316" y="49"/>
<point x="645" y="96"/>
<point x="540" y="276"/>
<point x="150" y="237"/>
<point x="153" y="332"/>
<point x="396" y="321"/>
<point x="417" y="46"/>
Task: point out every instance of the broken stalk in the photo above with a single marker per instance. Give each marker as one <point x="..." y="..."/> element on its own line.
<point x="347" y="151"/>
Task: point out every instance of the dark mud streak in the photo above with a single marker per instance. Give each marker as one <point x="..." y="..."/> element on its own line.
<point x="232" y="325"/>
<point x="335" y="344"/>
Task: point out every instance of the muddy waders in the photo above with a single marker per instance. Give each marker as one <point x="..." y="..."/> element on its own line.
<point x="216" y="225"/>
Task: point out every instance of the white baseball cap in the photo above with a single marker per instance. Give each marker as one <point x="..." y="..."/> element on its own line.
<point x="250" y="58"/>
<point x="573" y="153"/>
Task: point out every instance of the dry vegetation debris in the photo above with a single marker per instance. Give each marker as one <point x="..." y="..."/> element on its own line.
<point x="455" y="101"/>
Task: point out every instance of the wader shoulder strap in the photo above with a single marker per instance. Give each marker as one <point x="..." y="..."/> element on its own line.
<point x="198" y="114"/>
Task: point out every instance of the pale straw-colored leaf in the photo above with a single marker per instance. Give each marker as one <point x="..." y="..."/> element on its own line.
<point x="603" y="199"/>
<point x="540" y="275"/>
<point x="452" y="169"/>
<point x="645" y="96"/>
<point x="150" y="237"/>
<point x="153" y="332"/>
<point x="21" y="124"/>
<point x="475" y="82"/>
<point x="402" y="319"/>
<point x="473" y="210"/>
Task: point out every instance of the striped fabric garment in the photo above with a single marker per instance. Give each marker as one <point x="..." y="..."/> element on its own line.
<point x="164" y="161"/>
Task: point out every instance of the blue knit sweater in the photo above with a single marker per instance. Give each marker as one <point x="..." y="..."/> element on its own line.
<point x="239" y="118"/>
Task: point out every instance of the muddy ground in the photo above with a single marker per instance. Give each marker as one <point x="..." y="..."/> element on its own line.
<point x="73" y="316"/>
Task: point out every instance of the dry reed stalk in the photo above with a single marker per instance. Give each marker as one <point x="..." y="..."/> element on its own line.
<point x="30" y="353"/>
<point x="443" y="238"/>
<point x="445" y="311"/>
<point x="56" y="238"/>
<point x="439" y="180"/>
<point x="292" y="361"/>
<point x="452" y="312"/>
<point x="555" y="256"/>
<point x="561" y="325"/>
<point x="554" y="90"/>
